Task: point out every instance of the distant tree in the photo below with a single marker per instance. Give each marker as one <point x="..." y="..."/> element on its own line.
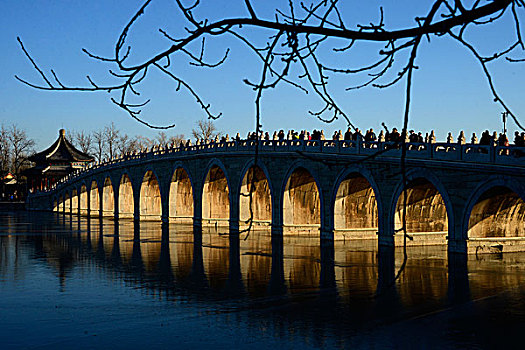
<point x="124" y="145"/>
<point x="99" y="144"/>
<point x="142" y="142"/>
<point x="205" y="130"/>
<point x="112" y="135"/>
<point x="164" y="139"/>
<point x="21" y="146"/>
<point x="176" y="139"/>
<point x="82" y="140"/>
<point x="5" y="150"/>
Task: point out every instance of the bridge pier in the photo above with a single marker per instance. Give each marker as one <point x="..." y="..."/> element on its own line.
<point x="385" y="231"/>
<point x="457" y="237"/>
<point x="327" y="218"/>
<point x="88" y="209"/>
<point x="234" y="210"/>
<point x="233" y="226"/>
<point x="327" y="233"/>
<point x="457" y="246"/>
<point x="116" y="209"/>
<point x="277" y="220"/>
<point x="277" y="230"/>
<point x="136" y="200"/>
<point x="164" y="188"/>
<point x="165" y="207"/>
<point x="197" y="223"/>
<point x="197" y="208"/>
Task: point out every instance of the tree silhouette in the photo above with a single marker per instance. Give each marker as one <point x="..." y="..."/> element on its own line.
<point x="5" y="149"/>
<point x="204" y="130"/>
<point x="300" y="35"/>
<point x="21" y="147"/>
<point x="82" y="139"/>
<point x="164" y="139"/>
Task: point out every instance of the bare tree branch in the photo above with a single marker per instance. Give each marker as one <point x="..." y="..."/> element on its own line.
<point x="302" y="31"/>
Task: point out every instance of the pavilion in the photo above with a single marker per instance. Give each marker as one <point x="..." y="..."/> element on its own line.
<point x="54" y="163"/>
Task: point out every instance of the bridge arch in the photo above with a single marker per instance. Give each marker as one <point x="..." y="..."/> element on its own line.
<point x="429" y="208"/>
<point x="216" y="193"/>
<point x="67" y="203"/>
<point x="181" y="195"/>
<point x="261" y="194"/>
<point x="94" y="199"/>
<point x="74" y="201"/>
<point x="83" y="196"/>
<point x="126" y="203"/>
<point x="496" y="208"/>
<point x="150" y="199"/>
<point x="108" y="198"/>
<point x="60" y="204"/>
<point x="55" y="201"/>
<point x="356" y="202"/>
<point x="301" y="199"/>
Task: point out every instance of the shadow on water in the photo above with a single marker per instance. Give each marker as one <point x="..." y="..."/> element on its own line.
<point x="323" y="292"/>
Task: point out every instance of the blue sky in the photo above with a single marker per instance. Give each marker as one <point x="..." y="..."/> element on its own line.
<point x="449" y="91"/>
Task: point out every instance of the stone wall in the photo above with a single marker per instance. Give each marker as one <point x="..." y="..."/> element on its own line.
<point x="150" y="199"/>
<point x="498" y="213"/>
<point x="108" y="199"/>
<point x="355" y="205"/>
<point x="301" y="200"/>
<point x="94" y="199"/>
<point x="181" y="196"/>
<point x="425" y="212"/>
<point x="215" y="195"/>
<point x="255" y="185"/>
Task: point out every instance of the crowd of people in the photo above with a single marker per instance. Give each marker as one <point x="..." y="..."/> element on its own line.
<point x="369" y="135"/>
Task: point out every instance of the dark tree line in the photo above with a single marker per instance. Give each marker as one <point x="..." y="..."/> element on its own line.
<point x="15" y="147"/>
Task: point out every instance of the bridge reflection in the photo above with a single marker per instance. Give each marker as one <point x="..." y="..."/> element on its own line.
<point x="171" y="258"/>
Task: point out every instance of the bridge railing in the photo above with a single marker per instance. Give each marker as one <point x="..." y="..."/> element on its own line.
<point x="475" y="153"/>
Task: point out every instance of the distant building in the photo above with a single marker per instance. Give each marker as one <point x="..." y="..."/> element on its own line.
<point x="8" y="187"/>
<point x="54" y="163"/>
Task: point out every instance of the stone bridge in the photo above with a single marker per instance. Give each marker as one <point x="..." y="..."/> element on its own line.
<point x="467" y="196"/>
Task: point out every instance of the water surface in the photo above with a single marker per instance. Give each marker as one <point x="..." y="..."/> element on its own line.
<point x="69" y="282"/>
